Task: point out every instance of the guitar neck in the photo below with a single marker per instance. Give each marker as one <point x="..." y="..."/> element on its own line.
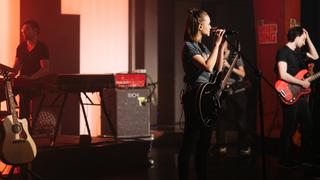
<point x="314" y="77"/>
<point x="10" y="100"/>
<point x="225" y="79"/>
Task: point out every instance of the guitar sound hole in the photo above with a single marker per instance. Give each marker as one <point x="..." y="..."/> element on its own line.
<point x="16" y="128"/>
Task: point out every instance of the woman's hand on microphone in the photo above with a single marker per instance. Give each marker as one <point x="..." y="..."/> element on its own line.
<point x="218" y="36"/>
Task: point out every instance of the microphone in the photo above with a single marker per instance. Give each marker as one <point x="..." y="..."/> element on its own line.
<point x="227" y="32"/>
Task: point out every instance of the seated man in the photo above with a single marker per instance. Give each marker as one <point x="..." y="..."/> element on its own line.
<point x="234" y="104"/>
<point x="31" y="62"/>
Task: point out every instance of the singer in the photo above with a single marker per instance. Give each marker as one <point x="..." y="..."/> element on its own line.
<point x="199" y="63"/>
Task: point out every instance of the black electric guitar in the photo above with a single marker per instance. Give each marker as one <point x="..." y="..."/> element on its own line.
<point x="208" y="96"/>
<point x="17" y="146"/>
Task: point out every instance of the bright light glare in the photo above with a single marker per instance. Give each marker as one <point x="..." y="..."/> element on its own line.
<point x="104" y="43"/>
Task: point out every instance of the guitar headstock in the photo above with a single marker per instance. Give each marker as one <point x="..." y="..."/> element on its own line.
<point x="6" y="71"/>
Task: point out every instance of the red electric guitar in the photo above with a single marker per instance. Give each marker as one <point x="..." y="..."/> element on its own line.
<point x="290" y="93"/>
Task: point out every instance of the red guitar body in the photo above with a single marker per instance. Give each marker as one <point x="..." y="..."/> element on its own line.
<point x="290" y="93"/>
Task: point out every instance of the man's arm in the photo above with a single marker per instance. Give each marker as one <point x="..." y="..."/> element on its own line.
<point x="17" y="66"/>
<point x="237" y="70"/>
<point x="282" y="67"/>
<point x="312" y="53"/>
<point x="43" y="71"/>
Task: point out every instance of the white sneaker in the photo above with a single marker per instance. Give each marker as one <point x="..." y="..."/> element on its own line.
<point x="246" y="151"/>
<point x="223" y="149"/>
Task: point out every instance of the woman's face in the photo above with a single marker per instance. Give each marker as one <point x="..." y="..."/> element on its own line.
<point x="205" y="26"/>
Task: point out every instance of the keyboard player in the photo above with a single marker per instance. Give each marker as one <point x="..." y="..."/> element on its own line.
<point x="31" y="63"/>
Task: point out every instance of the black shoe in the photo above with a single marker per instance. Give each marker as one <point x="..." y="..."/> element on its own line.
<point x="311" y="163"/>
<point x="288" y="164"/>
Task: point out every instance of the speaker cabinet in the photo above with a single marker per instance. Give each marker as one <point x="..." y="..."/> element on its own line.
<point x="128" y="112"/>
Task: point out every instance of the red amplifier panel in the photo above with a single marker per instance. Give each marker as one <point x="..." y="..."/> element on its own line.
<point x="130" y="80"/>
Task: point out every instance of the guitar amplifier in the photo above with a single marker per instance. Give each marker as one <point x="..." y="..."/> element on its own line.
<point x="130" y="80"/>
<point x="129" y="112"/>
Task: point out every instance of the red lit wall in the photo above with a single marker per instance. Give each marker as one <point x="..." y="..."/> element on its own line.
<point x="83" y="37"/>
<point x="279" y="15"/>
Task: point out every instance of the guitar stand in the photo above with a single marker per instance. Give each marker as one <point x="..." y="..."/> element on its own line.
<point x="25" y="173"/>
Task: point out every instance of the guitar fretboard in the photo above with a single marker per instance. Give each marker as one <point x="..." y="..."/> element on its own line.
<point x="314" y="77"/>
<point x="225" y="79"/>
<point x="11" y="103"/>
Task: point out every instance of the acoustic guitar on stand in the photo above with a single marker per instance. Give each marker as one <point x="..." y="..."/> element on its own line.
<point x="289" y="92"/>
<point x="17" y="145"/>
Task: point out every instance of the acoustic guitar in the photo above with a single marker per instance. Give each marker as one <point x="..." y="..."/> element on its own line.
<point x="17" y="145"/>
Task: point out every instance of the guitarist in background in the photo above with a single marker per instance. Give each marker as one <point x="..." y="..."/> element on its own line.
<point x="199" y="64"/>
<point x="234" y="105"/>
<point x="31" y="62"/>
<point x="290" y="60"/>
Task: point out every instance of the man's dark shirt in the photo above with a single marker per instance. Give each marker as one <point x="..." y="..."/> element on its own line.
<point x="295" y="60"/>
<point x="30" y="61"/>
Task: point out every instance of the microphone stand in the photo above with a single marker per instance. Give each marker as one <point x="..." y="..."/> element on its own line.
<point x="259" y="75"/>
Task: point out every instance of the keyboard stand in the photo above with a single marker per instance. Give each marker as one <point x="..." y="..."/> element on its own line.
<point x="64" y="96"/>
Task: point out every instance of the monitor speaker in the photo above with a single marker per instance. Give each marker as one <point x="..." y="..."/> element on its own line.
<point x="128" y="111"/>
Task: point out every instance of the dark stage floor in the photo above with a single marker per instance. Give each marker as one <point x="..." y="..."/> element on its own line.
<point x="127" y="159"/>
